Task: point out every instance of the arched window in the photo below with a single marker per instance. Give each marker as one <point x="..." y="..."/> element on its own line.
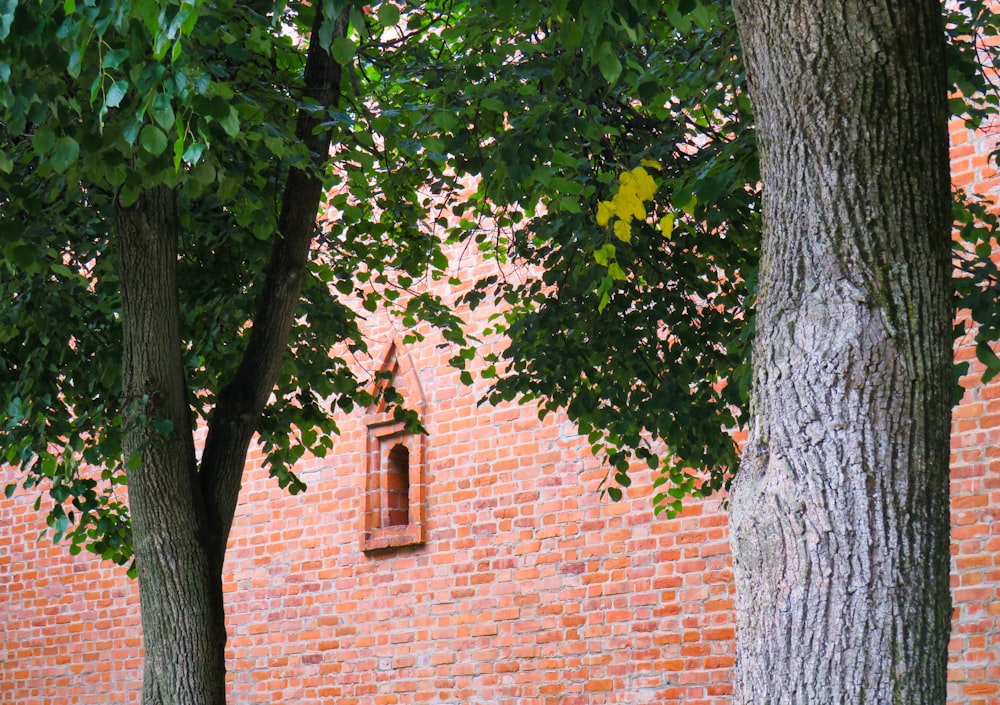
<point x="397" y="487"/>
<point x="394" y="492"/>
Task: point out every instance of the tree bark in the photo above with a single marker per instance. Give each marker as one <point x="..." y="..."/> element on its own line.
<point x="180" y="585"/>
<point x="840" y="511"/>
<point x="182" y="512"/>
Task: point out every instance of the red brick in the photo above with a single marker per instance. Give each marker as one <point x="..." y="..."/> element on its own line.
<point x="530" y="587"/>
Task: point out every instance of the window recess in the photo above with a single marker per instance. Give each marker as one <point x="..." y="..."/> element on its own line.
<point x="395" y="459"/>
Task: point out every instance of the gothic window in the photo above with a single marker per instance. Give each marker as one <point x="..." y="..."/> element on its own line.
<point x="394" y="463"/>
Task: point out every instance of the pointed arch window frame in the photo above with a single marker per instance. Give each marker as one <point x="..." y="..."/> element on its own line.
<point x="384" y="433"/>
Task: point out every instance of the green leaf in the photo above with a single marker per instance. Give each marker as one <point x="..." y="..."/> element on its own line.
<point x="74" y="64"/>
<point x="193" y="153"/>
<point x="7" y="9"/>
<point x="357" y="22"/>
<point x="162" y="111"/>
<point x="113" y="59"/>
<point x="65" y="153"/>
<point x="607" y="61"/>
<point x="445" y="119"/>
<point x="604" y="254"/>
<point x="153" y="140"/>
<point x="43" y="140"/>
<point x="388" y="14"/>
<point x="115" y="94"/>
<point x="60" y="525"/>
<point x="616" y="272"/>
<point x="178" y="153"/>
<point x="231" y="123"/>
<point x="342" y="50"/>
<point x="24" y="257"/>
<point x="990" y="360"/>
<point x="131" y="132"/>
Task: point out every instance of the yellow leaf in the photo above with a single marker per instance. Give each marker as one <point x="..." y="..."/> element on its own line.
<point x="623" y="230"/>
<point x="627" y="205"/>
<point x="644" y="185"/>
<point x="667" y="225"/>
<point x="652" y="164"/>
<point x="604" y="213"/>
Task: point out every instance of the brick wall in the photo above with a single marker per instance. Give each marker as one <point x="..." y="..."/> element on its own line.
<point x="530" y="588"/>
<point x="974" y="657"/>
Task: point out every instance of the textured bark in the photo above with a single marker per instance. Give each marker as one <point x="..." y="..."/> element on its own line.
<point x="840" y="511"/>
<point x="180" y="586"/>
<point x="182" y="512"/>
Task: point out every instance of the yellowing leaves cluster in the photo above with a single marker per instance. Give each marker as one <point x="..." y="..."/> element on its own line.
<point x="636" y="187"/>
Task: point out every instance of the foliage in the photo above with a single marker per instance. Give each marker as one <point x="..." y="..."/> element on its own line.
<point x="200" y="97"/>
<point x="628" y="144"/>
<point x="641" y="336"/>
<point x="973" y="28"/>
<point x="617" y="172"/>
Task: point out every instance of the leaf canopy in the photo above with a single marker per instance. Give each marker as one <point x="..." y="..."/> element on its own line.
<point x="613" y="147"/>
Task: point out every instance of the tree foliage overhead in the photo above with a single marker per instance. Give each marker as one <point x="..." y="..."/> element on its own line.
<point x="637" y="325"/>
<point x="652" y="306"/>
<point x="200" y="98"/>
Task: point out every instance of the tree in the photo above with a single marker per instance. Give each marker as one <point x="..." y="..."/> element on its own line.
<point x="161" y="182"/>
<point x="615" y="148"/>
<point x="840" y="512"/>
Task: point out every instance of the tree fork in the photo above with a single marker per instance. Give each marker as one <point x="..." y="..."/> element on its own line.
<point x="180" y="585"/>
<point x="181" y="515"/>
<point x="840" y="511"/>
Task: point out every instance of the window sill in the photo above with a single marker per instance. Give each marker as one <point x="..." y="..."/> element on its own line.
<point x="391" y="537"/>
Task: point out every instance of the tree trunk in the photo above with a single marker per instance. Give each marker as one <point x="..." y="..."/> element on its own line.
<point x="182" y="512"/>
<point x="180" y="585"/>
<point x="840" y="511"/>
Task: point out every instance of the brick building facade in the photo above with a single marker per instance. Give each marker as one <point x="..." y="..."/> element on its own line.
<point x="476" y="565"/>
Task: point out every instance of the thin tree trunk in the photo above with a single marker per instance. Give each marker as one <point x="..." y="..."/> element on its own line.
<point x="840" y="511"/>
<point x="180" y="585"/>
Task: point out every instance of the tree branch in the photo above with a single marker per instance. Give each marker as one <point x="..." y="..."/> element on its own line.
<point x="241" y="402"/>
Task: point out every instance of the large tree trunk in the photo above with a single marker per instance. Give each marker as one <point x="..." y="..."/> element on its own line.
<point x="840" y="511"/>
<point x="180" y="580"/>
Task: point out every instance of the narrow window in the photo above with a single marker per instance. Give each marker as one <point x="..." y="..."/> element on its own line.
<point x="397" y="487"/>
<point x="393" y="514"/>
